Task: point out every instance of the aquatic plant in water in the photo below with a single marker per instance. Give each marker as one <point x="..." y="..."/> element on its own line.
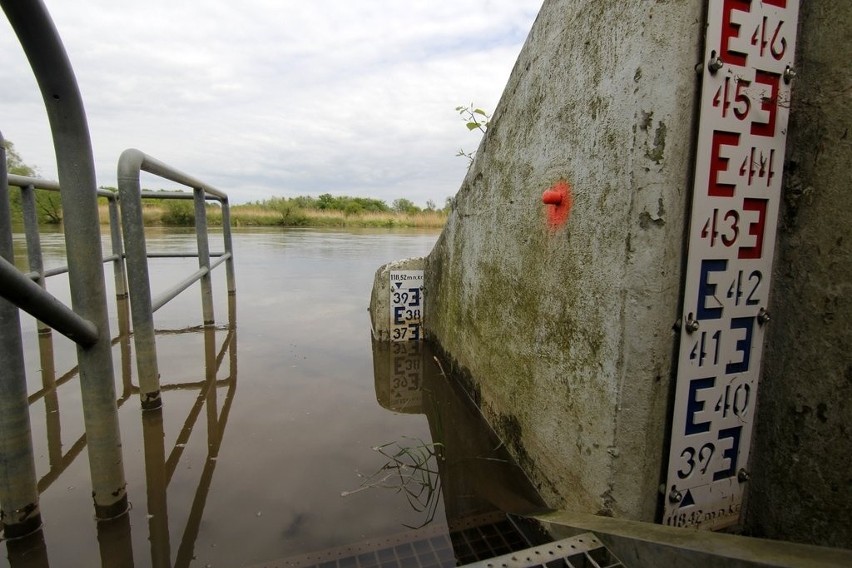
<point x="411" y="469"/>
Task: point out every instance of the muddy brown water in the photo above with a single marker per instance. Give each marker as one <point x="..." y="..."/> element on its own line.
<point x="284" y="430"/>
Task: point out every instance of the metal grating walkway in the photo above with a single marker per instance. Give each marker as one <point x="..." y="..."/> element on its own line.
<point x="581" y="551"/>
<point x="476" y="541"/>
<point x="501" y="544"/>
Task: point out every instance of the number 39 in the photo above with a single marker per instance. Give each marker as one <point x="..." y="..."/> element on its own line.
<point x="704" y="455"/>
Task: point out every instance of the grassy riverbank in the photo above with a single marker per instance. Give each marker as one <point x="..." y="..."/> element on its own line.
<point x="325" y="211"/>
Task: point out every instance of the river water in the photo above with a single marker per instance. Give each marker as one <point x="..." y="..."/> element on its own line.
<point x="285" y="430"/>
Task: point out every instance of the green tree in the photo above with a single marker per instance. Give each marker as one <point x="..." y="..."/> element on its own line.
<point x="14" y="163"/>
<point x="49" y="207"/>
<point x="326" y="201"/>
<point x="304" y="202"/>
<point x="48" y="203"/>
<point x="178" y="212"/>
<point x="403" y="205"/>
<point x="371" y="205"/>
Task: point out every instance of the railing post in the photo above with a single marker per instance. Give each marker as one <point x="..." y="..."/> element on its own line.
<point x="210" y="371"/>
<point x="75" y="164"/>
<point x="156" y="481"/>
<point x="51" y="400"/>
<point x="204" y="254"/>
<point x="117" y="249"/>
<point x="28" y="552"/>
<point x="34" y="257"/>
<point x="122" y="308"/>
<point x="115" y="542"/>
<point x="19" y="509"/>
<point x="229" y="247"/>
<point x="130" y="194"/>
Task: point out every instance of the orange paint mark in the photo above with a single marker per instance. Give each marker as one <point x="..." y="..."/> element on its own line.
<point x="559" y="201"/>
<point x="552" y="197"/>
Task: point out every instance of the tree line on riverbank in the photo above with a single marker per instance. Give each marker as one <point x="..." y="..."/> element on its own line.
<point x="304" y="211"/>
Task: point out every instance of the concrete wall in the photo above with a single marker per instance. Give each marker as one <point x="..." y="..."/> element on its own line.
<point x="802" y="473"/>
<point x="565" y="334"/>
<point x="380" y="300"/>
<point x="643" y="545"/>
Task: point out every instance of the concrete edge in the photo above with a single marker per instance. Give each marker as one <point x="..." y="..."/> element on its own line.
<point x="379" y="307"/>
<point x="660" y="545"/>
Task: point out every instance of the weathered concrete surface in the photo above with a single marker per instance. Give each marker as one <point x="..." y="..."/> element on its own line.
<point x="802" y="481"/>
<point x="380" y="298"/>
<point x="479" y="480"/>
<point x="565" y="335"/>
<point x="645" y="545"/>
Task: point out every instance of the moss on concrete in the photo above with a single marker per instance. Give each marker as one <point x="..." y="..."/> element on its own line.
<point x="541" y="319"/>
<point x="564" y="336"/>
<point x="801" y="475"/>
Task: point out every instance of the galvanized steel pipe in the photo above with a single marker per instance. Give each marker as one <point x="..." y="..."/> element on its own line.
<point x="36" y="301"/>
<point x="131" y="163"/>
<point x="136" y="262"/>
<point x="18" y="490"/>
<point x="28" y="207"/>
<point x="203" y="256"/>
<point x="75" y="164"/>
<point x="117" y="249"/>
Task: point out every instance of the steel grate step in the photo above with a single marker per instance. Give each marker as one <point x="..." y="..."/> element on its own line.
<point x="500" y="544"/>
<point x="581" y="551"/>
<point x="436" y="547"/>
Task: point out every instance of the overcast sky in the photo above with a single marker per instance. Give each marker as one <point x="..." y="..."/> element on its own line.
<point x="265" y="98"/>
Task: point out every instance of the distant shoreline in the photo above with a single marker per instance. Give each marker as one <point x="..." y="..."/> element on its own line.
<point x="254" y="216"/>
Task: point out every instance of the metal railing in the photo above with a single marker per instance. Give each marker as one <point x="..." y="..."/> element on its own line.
<point x="86" y="321"/>
<point x="28" y="292"/>
<point x="28" y="187"/>
<point x="130" y="165"/>
<point x="206" y="416"/>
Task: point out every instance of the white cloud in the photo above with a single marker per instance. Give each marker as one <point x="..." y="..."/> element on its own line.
<point x="263" y="97"/>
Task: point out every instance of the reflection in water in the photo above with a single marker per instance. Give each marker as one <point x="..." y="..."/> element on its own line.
<point x="216" y="422"/>
<point x="301" y="429"/>
<point x="480" y="482"/>
<point x="115" y="542"/>
<point x="51" y="399"/>
<point x="28" y="552"/>
<point x="115" y="536"/>
<point x="411" y="469"/>
<point x="412" y="464"/>
<point x="58" y="461"/>
<point x="156" y="481"/>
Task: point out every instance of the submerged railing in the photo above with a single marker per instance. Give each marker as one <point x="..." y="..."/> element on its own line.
<point x="208" y="415"/>
<point x="130" y="165"/>
<point x="86" y="321"/>
<point x="27" y="291"/>
<point x="88" y="325"/>
<point x="28" y="187"/>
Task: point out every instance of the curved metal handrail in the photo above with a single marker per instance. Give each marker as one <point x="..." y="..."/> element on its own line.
<point x="75" y="164"/>
<point x="130" y="165"/>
